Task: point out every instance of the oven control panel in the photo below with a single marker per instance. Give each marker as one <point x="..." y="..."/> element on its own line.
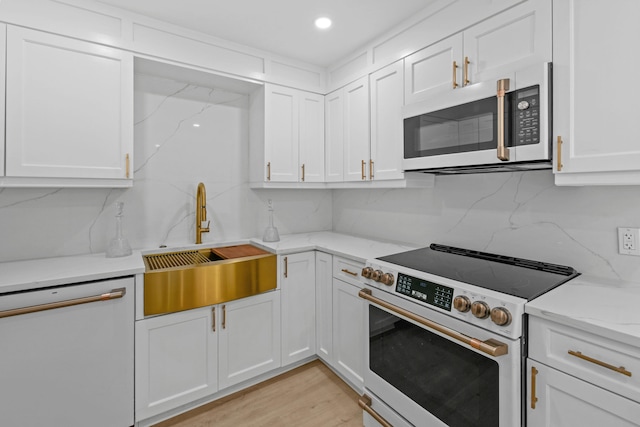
<point x="425" y="291"/>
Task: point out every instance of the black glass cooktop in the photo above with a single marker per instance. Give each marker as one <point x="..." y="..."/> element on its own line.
<point x="513" y="276"/>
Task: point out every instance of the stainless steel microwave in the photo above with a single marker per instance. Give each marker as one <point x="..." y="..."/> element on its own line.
<point x="500" y="125"/>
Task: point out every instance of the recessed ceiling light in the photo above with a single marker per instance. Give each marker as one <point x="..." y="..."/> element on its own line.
<point x="323" y="23"/>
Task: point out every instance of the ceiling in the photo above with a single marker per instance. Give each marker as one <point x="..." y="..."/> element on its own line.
<point x="284" y="27"/>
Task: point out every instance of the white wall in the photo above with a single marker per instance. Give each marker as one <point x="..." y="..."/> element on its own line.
<point x="171" y="157"/>
<point x="521" y="214"/>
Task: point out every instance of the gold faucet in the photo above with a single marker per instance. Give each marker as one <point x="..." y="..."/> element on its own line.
<point x="201" y="213"/>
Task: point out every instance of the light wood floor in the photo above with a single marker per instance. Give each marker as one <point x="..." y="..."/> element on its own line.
<point x="308" y="396"/>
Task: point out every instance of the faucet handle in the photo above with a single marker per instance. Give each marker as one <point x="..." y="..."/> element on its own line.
<point x="204" y="225"/>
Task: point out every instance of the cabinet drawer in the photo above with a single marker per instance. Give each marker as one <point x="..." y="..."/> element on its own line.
<point x="612" y="365"/>
<point x="347" y="270"/>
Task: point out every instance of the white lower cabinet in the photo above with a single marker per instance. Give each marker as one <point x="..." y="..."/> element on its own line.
<point x="575" y="377"/>
<point x="182" y="357"/>
<point x="249" y="342"/>
<point x="348" y="332"/>
<point x="297" y="288"/>
<point x="324" y="307"/>
<point x="563" y="400"/>
<point x="176" y="360"/>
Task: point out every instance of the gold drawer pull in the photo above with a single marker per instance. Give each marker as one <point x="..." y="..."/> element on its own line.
<point x="534" y="399"/>
<point x="455" y="68"/>
<point x="620" y="370"/>
<point x="559" y="154"/>
<point x="365" y="403"/>
<point x="344" y="270"/>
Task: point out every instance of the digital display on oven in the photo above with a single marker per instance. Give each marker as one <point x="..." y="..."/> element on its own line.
<point x="425" y="291"/>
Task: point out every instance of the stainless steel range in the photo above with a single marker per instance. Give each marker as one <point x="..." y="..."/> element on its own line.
<point x="447" y="336"/>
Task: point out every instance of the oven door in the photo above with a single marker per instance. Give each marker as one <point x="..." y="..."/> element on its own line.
<point x="439" y="371"/>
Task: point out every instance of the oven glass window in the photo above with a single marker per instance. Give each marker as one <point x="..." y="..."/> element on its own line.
<point x="457" y="385"/>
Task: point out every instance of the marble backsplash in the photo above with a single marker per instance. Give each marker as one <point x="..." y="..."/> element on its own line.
<point x="522" y="214"/>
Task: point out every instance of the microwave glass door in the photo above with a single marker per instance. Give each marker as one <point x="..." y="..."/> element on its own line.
<point x="460" y="129"/>
<point x="453" y="383"/>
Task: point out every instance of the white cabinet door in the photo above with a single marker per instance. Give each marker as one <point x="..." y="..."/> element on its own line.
<point x="348" y="332"/>
<point x="563" y="400"/>
<point x="324" y="303"/>
<point x="434" y="71"/>
<point x="3" y="42"/>
<point x="311" y="131"/>
<point x="387" y="135"/>
<point x="249" y="340"/>
<point x="510" y="41"/>
<point x="176" y="360"/>
<point x="69" y="108"/>
<point x="297" y="290"/>
<point x="592" y="45"/>
<point x="281" y="133"/>
<point x="334" y="136"/>
<point x="356" y="130"/>
<point x="493" y="49"/>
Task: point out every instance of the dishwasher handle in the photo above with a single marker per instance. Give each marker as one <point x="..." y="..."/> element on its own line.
<point x="114" y="294"/>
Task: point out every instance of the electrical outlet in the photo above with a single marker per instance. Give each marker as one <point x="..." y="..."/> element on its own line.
<point x="629" y="241"/>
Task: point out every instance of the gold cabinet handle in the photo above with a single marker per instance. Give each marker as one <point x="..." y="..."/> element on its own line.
<point x="365" y="403"/>
<point x="465" y="72"/>
<point x="213" y="319"/>
<point x="503" y="151"/>
<point x="364" y="176"/>
<point x="371" y="169"/>
<point x="344" y="270"/>
<point x="559" y="153"/>
<point x="455" y="71"/>
<point x="114" y="294"/>
<point x="534" y="399"/>
<point x="620" y="370"/>
<point x="224" y="316"/>
<point x="268" y="171"/>
<point x="303" y="172"/>
<point x="127" y="165"/>
<point x="491" y="347"/>
<point x="286" y="267"/>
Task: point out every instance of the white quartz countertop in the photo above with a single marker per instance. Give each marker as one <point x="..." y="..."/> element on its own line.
<point x="355" y="248"/>
<point x="42" y="273"/>
<point x="600" y="306"/>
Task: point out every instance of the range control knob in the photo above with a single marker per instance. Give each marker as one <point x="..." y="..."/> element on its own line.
<point x="480" y="309"/>
<point x="462" y="303"/>
<point x="366" y="272"/>
<point x="376" y="275"/>
<point x="501" y="316"/>
<point x="387" y="279"/>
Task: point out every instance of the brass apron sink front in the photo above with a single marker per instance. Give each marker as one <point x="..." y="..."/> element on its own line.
<point x="176" y="281"/>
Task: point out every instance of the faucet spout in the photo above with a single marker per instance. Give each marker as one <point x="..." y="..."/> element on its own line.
<point x="202" y="225"/>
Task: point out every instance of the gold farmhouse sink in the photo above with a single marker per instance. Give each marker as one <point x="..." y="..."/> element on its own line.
<point x="176" y="281"/>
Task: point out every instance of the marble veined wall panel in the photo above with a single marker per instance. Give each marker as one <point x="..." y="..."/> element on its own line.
<point x="521" y="214"/>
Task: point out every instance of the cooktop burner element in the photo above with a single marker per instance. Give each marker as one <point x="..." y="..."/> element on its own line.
<point x="519" y="277"/>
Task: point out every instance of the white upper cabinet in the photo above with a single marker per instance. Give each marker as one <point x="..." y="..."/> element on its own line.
<point x="356" y="130"/>
<point x="69" y="109"/>
<point x="490" y="50"/>
<point x="347" y="130"/>
<point x="593" y="116"/>
<point x="387" y="136"/>
<point x="293" y="135"/>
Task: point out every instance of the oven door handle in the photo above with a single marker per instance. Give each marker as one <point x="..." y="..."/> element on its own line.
<point x="365" y="403"/>
<point x="491" y="347"/>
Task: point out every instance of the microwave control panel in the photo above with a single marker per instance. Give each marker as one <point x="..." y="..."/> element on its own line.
<point x="527" y="116"/>
<point x="428" y="292"/>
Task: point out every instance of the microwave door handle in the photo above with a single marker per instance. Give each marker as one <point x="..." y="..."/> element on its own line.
<point x="503" y="151"/>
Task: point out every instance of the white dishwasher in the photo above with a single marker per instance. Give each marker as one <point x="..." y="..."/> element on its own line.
<point x="66" y="355"/>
